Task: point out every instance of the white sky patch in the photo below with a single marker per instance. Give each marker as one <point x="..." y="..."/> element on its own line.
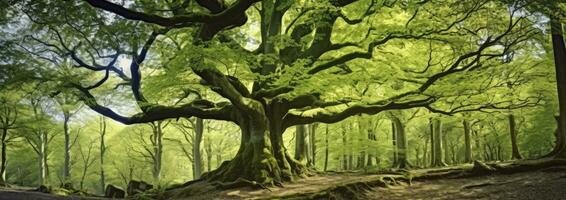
<point x="124" y="64"/>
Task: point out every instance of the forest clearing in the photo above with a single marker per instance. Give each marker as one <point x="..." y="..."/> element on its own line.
<point x="282" y="99"/>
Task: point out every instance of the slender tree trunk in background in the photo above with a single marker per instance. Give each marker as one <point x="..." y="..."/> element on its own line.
<point x="445" y="147"/>
<point x="300" y="143"/>
<point x="67" y="163"/>
<point x="489" y="150"/>
<point x="498" y="152"/>
<point x="424" y="157"/>
<point x="312" y="142"/>
<point x="4" y="158"/>
<point x="326" y="149"/>
<point x="515" y="154"/>
<point x="102" y="130"/>
<point x="453" y="158"/>
<point x="350" y="160"/>
<point x="477" y="138"/>
<point x="417" y="156"/>
<point x="157" y="141"/>
<point x="208" y="150"/>
<point x="87" y="162"/>
<point x="344" y="150"/>
<point x="560" y="64"/>
<point x="394" y="142"/>
<point x="42" y="158"/>
<point x="437" y="147"/>
<point x="308" y="146"/>
<point x="432" y="150"/>
<point x="197" y="157"/>
<point x="467" y="142"/>
<point x="401" y="144"/>
<point x="372" y="138"/>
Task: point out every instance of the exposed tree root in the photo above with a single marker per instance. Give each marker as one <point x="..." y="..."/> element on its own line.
<point x="240" y="182"/>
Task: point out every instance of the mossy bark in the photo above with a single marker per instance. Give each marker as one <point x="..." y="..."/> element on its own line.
<point x="261" y="159"/>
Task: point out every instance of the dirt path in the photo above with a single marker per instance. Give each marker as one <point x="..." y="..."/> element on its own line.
<point x="529" y="185"/>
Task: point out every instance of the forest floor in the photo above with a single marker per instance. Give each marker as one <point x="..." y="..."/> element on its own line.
<point x="510" y="181"/>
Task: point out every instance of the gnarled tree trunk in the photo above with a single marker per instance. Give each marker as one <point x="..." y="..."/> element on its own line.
<point x="261" y="157"/>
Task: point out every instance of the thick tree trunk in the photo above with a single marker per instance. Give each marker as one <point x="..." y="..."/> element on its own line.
<point x="401" y="143"/>
<point x="67" y="163"/>
<point x="197" y="157"/>
<point x="261" y="158"/>
<point x="437" y="148"/>
<point x="560" y="65"/>
<point x="515" y="154"/>
<point x="102" y="152"/>
<point x="467" y="142"/>
<point x="4" y="158"/>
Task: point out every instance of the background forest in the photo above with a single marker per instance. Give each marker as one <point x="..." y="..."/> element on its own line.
<point x="483" y="72"/>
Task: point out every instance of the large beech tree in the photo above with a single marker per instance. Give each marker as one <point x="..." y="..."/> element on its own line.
<point x="275" y="64"/>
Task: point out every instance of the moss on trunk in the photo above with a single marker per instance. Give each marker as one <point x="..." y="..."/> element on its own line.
<point x="262" y="159"/>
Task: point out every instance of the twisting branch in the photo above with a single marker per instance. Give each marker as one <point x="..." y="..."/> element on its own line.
<point x="216" y="21"/>
<point x="198" y="108"/>
<point x="135" y="66"/>
<point x="335" y="114"/>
